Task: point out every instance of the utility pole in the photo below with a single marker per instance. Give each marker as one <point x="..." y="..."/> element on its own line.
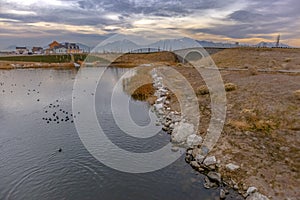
<point x="278" y="41"/>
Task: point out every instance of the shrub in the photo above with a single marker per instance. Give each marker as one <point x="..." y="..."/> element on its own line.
<point x="230" y="87"/>
<point x="297" y="94"/>
<point x="202" y="90"/>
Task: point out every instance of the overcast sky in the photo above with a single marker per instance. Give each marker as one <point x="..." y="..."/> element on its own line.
<point x="38" y="22"/>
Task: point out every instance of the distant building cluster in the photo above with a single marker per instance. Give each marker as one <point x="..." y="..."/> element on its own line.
<point x="62" y="48"/>
<point x="53" y="48"/>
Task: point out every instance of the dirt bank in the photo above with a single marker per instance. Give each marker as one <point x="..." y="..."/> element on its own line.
<point x="261" y="132"/>
<point x="133" y="59"/>
<point x="262" y="127"/>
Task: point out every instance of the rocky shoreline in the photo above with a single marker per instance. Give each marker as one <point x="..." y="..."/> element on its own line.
<point x="183" y="134"/>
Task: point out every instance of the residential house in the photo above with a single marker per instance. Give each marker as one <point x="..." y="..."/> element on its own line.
<point x="54" y="44"/>
<point x="21" y="50"/>
<point x="60" y="49"/>
<point x="72" y="48"/>
<point x="37" y="50"/>
<point x="63" y="48"/>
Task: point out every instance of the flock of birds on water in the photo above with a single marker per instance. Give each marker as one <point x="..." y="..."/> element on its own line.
<point x="55" y="113"/>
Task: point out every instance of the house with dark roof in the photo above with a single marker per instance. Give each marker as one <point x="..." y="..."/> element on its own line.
<point x="37" y="50"/>
<point x="21" y="50"/>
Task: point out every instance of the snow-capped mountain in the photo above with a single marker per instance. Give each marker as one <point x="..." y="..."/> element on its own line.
<point x="9" y="48"/>
<point x="167" y="45"/>
<point x="175" y="44"/>
<point x="205" y="43"/>
<point x="271" y="45"/>
<point x="117" y="46"/>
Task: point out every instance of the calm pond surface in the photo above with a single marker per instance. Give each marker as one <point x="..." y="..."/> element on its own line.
<point x="36" y="120"/>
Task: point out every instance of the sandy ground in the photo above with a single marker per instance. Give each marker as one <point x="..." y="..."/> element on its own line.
<point x="262" y="128"/>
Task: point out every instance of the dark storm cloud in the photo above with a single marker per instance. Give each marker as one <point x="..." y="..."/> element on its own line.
<point x="154" y="7"/>
<point x="250" y="17"/>
<point x="260" y="18"/>
<point x="247" y="30"/>
<point x="92" y="12"/>
<point x="63" y="16"/>
<point x="245" y="16"/>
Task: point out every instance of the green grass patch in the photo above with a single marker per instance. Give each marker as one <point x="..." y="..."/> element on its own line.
<point x="45" y="58"/>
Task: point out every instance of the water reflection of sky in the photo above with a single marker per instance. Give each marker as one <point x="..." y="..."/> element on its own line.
<point x="31" y="90"/>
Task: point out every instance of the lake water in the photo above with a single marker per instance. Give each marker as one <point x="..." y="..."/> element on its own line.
<point x="36" y="120"/>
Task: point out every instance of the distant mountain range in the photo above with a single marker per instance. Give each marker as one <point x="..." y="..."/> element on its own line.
<point x="117" y="46"/>
<point x="272" y="45"/>
<point x="168" y="44"/>
<point x="10" y="48"/>
<point x="175" y="44"/>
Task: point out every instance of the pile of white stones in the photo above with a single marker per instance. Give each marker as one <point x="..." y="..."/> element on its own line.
<point x="182" y="132"/>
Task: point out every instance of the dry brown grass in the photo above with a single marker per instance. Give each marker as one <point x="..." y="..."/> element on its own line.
<point x="252" y="70"/>
<point x="144" y="92"/>
<point x="230" y="87"/>
<point x="261" y="57"/>
<point x="239" y="125"/>
<point x="297" y="94"/>
<point x="140" y="85"/>
<point x="202" y="90"/>
<point x="133" y="60"/>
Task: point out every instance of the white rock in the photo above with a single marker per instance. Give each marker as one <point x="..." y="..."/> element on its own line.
<point x="195" y="164"/>
<point x="251" y="190"/>
<point x="160" y="100"/>
<point x="257" y="196"/>
<point x="157" y="84"/>
<point x="214" y="176"/>
<point x="193" y="140"/>
<point x="199" y="158"/>
<point x="162" y="90"/>
<point x="222" y="194"/>
<point x="171" y="125"/>
<point x="158" y="106"/>
<point x="211" y="160"/>
<point x="175" y="149"/>
<point x="232" y="167"/>
<point x="160" y="111"/>
<point x="181" y="132"/>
